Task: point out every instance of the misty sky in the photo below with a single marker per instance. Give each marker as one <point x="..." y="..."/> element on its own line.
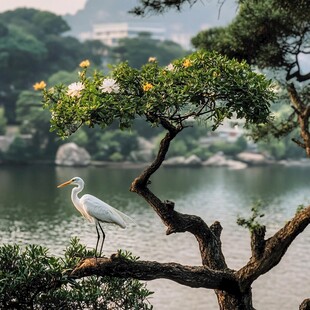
<point x="56" y="6"/>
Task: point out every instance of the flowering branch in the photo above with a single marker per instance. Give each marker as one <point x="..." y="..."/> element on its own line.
<point x="196" y="85"/>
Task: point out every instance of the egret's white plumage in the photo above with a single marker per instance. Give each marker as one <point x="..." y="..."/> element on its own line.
<point x="94" y="209"/>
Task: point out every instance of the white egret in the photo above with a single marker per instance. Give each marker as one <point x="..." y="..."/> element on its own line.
<point x="94" y="209"/>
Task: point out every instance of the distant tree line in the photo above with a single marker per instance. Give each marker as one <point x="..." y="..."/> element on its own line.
<point x="34" y="47"/>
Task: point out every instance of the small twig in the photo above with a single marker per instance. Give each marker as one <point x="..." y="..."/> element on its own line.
<point x="299" y="143"/>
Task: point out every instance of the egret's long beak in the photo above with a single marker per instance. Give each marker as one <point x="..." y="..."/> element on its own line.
<point x="64" y="184"/>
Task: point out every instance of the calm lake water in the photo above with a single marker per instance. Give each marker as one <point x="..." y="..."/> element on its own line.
<point x="33" y="210"/>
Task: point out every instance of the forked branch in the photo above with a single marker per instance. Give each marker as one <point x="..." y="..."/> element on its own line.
<point x="274" y="248"/>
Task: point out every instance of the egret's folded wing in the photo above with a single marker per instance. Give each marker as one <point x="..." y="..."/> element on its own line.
<point x="125" y="217"/>
<point x="102" y="211"/>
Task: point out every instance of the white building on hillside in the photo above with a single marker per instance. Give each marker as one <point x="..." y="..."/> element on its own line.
<point x="228" y="132"/>
<point x="110" y="33"/>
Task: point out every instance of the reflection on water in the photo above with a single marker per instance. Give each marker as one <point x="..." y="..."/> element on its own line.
<point x="33" y="210"/>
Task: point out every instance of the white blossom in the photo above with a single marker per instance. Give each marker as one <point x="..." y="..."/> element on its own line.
<point x="170" y="67"/>
<point x="109" y="86"/>
<point x="74" y="89"/>
<point x="54" y="115"/>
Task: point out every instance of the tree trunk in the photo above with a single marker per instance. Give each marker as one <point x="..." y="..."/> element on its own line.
<point x="237" y="301"/>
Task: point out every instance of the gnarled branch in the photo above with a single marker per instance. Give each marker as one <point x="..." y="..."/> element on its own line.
<point x="209" y="240"/>
<point x="303" y="117"/>
<point x="275" y="248"/>
<point x="295" y="99"/>
<point x="144" y="177"/>
<point x="192" y="276"/>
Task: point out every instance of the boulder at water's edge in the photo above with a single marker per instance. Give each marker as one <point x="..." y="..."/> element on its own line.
<point x="70" y="154"/>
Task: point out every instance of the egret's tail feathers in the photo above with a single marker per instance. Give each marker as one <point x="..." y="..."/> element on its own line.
<point x="125" y="217"/>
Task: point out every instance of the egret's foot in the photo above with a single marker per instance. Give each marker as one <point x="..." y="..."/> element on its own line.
<point x="99" y="255"/>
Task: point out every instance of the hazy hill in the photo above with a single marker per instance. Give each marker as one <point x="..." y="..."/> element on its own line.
<point x="180" y="25"/>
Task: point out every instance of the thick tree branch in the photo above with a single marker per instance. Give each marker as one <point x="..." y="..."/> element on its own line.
<point x="275" y="248"/>
<point x="303" y="117"/>
<point x="258" y="242"/>
<point x="192" y="276"/>
<point x="208" y="240"/>
<point x="143" y="179"/>
<point x="176" y="222"/>
<point x="295" y="99"/>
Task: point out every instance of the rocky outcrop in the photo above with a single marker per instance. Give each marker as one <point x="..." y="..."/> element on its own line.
<point x="254" y="159"/>
<point x="5" y="143"/>
<point x="191" y="161"/>
<point x="219" y="160"/>
<point x="145" y="151"/>
<point x="70" y="154"/>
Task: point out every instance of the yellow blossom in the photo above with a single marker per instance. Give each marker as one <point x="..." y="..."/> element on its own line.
<point x="147" y="86"/>
<point x="187" y="63"/>
<point x="85" y="63"/>
<point x="152" y="59"/>
<point x="39" y="85"/>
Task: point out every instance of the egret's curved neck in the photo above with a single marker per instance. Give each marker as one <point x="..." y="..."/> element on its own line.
<point x="74" y="195"/>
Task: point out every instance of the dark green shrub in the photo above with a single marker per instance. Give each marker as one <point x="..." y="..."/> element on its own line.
<point x="31" y="278"/>
<point x="115" y="157"/>
<point x="19" y="151"/>
<point x="202" y="152"/>
<point x="103" y="144"/>
<point x="230" y="149"/>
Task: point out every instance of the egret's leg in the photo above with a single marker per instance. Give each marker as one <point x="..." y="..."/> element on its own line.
<point x="98" y="237"/>
<point x="103" y="237"/>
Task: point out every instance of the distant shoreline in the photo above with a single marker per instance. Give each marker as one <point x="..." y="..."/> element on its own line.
<point x="132" y="165"/>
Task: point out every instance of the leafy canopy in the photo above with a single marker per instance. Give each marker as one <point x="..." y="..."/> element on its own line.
<point x="272" y="35"/>
<point x="267" y="33"/>
<point x="202" y="85"/>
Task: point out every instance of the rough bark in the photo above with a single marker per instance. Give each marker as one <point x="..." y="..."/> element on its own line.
<point x="192" y="276"/>
<point x="305" y="305"/>
<point x="208" y="239"/>
<point x="232" y="288"/>
<point x="274" y="248"/>
<point x="303" y="113"/>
